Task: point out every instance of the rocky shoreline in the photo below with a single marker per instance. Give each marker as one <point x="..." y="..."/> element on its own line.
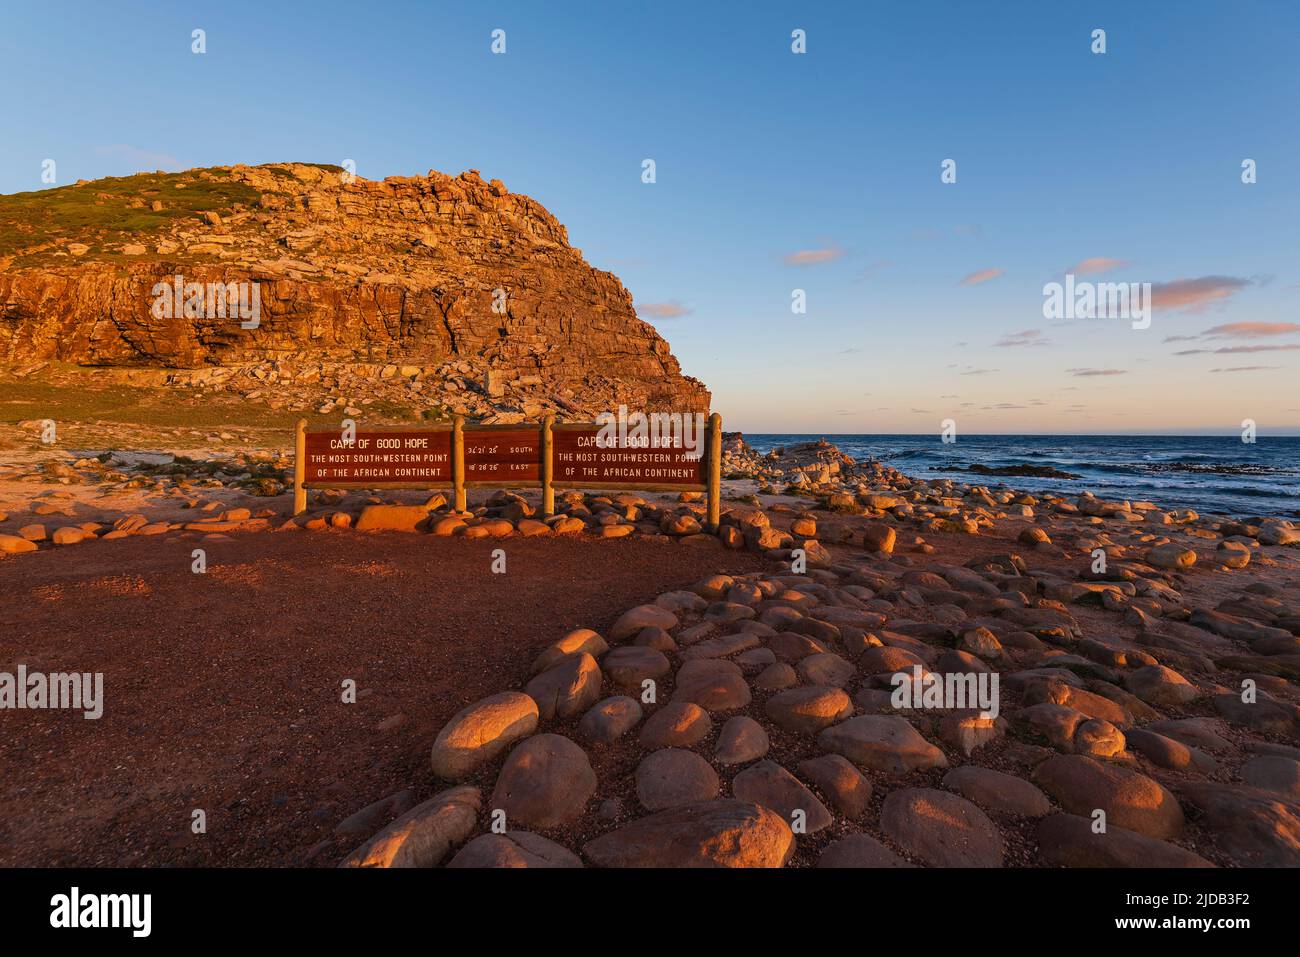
<point x="1148" y="662"/>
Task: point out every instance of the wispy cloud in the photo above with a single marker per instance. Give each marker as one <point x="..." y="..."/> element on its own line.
<point x="1228" y="350"/>
<point x="871" y="270"/>
<point x="1251" y="330"/>
<point x="1030" y="337"/>
<point x="982" y="275"/>
<point x="672" y="309"/>
<point x="1095" y="265"/>
<point x="1245" y="368"/>
<point x="811" y="257"/>
<point x="1195" y="295"/>
<point x="1091" y="372"/>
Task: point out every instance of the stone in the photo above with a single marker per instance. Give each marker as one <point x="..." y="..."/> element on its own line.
<point x="968" y="731"/>
<point x="609" y="720"/>
<point x="545" y="782"/>
<point x="791" y="647"/>
<point x="877" y="537"/>
<point x="721" y="833"/>
<point x="390" y="518"/>
<point x="673" y="777"/>
<point x="566" y="689"/>
<point x="1253" y="828"/>
<point x="1168" y="753"/>
<point x="860" y="850"/>
<point x="13" y="545"/>
<point x="882" y="743"/>
<point x="769" y="785"/>
<point x="1172" y="556"/>
<point x="941" y="829"/>
<point x="1160" y="686"/>
<point x="825" y="669"/>
<point x="424" y="835"/>
<point x="1265" y="714"/>
<point x="477" y="734"/>
<point x="1233" y="554"/>
<point x="1004" y="795"/>
<point x="981" y="643"/>
<point x="451" y="525"/>
<point x="681" y="724"/>
<point x="575" y="642"/>
<point x="807" y="710"/>
<point x="715" y="685"/>
<point x="842" y="784"/>
<point x="775" y="677"/>
<point x="1203" y="733"/>
<point x="1273" y="773"/>
<point x="629" y="665"/>
<point x="741" y="740"/>
<point x="368" y="818"/>
<point x="69" y="535"/>
<point x="514" y="849"/>
<point x="1068" y="840"/>
<point x="1099" y="739"/>
<point x="642" y="616"/>
<point x="1082" y="785"/>
<point x="1049" y="722"/>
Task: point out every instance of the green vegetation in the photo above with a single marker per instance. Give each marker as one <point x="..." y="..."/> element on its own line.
<point x="114" y="210"/>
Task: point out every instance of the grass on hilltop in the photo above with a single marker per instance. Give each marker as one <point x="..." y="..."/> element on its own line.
<point x="101" y="212"/>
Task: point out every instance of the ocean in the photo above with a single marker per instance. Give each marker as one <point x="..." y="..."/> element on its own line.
<point x="1212" y="474"/>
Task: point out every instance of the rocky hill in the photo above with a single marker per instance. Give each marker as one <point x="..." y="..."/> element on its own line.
<point x="451" y="287"/>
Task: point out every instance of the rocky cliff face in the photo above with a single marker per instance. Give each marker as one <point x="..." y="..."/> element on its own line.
<point x="433" y="272"/>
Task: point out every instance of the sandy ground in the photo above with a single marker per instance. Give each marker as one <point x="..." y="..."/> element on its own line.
<point x="224" y="690"/>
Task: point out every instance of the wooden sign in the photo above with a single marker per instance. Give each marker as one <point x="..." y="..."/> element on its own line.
<point x="378" y="458"/>
<point x="503" y="455"/>
<point x="579" y="459"/>
<point x="453" y="455"/>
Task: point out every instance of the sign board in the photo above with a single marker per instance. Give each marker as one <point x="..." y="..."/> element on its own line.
<point x="546" y="455"/>
<point x="580" y="460"/>
<point x="505" y="455"/>
<point x="379" y="458"/>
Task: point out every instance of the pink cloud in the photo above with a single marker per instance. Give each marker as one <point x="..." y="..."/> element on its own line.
<point x="1097" y="264"/>
<point x="983" y="275"/>
<point x="1251" y="330"/>
<point x="810" y="257"/>
<point x="1030" y="337"/>
<point x="1195" y="295"/>
<point x="664" y="310"/>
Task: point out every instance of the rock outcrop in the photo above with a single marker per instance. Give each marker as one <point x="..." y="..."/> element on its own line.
<point x="417" y="272"/>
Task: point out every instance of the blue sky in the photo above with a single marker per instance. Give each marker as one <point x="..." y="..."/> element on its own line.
<point x="778" y="171"/>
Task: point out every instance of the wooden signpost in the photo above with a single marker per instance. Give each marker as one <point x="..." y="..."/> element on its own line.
<point x="541" y="455"/>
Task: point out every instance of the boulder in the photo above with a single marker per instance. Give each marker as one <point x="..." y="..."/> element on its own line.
<point x="478" y="733"/>
<point x="722" y="833"/>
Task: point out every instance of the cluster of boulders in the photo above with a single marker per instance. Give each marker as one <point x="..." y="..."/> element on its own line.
<point x="755" y="721"/>
<point x="805" y="467"/>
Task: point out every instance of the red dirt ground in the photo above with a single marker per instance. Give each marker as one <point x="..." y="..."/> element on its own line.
<point x="223" y="691"/>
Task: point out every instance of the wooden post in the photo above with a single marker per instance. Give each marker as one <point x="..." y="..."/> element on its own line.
<point x="546" y="470"/>
<point x="458" y="461"/>
<point x="300" y="468"/>
<point x="715" y="472"/>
